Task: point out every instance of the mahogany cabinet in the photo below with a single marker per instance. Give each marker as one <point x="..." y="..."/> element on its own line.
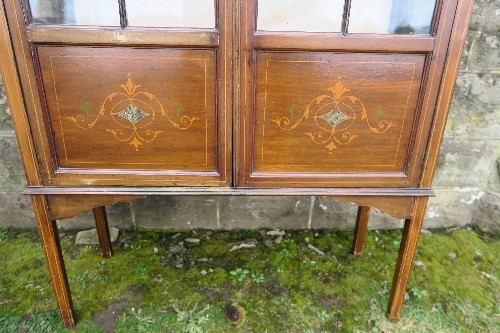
<point x="118" y="99"/>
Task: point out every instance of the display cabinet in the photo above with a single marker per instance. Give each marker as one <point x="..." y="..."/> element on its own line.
<point x="118" y="99"/>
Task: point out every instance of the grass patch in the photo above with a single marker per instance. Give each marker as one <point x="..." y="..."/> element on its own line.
<point x="163" y="283"/>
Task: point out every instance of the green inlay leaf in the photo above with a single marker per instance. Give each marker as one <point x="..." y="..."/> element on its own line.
<point x="179" y="109"/>
<point x="380" y="113"/>
<point x="291" y="111"/>
<point x="85" y="108"/>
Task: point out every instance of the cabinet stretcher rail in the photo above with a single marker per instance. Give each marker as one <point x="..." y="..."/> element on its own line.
<point x="400" y="192"/>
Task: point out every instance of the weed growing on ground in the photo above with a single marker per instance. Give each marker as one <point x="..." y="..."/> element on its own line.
<point x="240" y="274"/>
<point x="3" y="234"/>
<point x="417" y="293"/>
<point x="192" y="320"/>
<point x="258" y="277"/>
<point x="322" y="315"/>
<point x="142" y="272"/>
<point x="285" y="254"/>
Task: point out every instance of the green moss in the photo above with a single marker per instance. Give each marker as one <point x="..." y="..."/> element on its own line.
<point x="297" y="290"/>
<point x="462" y="277"/>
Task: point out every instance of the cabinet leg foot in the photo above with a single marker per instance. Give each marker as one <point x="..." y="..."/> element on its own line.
<point x="101" y="223"/>
<point x="55" y="263"/>
<point x="360" y="230"/>
<point x="406" y="254"/>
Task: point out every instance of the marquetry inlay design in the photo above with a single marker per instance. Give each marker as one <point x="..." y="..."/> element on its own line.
<point x="134" y="111"/>
<point x="334" y="115"/>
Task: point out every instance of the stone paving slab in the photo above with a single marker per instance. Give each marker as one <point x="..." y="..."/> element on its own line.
<point x="89" y="237"/>
<point x="176" y="212"/>
<point x="118" y="215"/>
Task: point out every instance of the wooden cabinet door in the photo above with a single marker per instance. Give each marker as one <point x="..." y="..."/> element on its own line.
<point x="329" y="108"/>
<point x="127" y="92"/>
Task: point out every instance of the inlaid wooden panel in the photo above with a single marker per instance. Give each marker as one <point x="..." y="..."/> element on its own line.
<point x="131" y="108"/>
<point x="334" y="113"/>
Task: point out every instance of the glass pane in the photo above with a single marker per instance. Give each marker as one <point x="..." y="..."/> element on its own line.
<point x="171" y="13"/>
<point x="79" y="12"/>
<point x="300" y="15"/>
<point x="391" y="16"/>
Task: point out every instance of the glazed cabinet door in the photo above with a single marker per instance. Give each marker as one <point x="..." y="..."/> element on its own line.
<point x="127" y="92"/>
<point x="338" y="93"/>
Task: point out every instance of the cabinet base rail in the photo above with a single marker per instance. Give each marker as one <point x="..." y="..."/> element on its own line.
<point x="142" y="191"/>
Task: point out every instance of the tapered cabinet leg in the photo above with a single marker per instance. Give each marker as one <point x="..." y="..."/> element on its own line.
<point x="101" y="223"/>
<point x="360" y="230"/>
<point x="55" y="263"/>
<point x="406" y="254"/>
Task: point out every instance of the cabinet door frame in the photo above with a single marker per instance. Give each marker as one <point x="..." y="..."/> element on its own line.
<point x="251" y="41"/>
<point x="28" y="37"/>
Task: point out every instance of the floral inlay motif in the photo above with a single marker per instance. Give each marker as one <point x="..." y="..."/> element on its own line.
<point x="133" y="124"/>
<point x="334" y="114"/>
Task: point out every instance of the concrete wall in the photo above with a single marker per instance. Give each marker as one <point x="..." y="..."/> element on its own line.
<point x="467" y="180"/>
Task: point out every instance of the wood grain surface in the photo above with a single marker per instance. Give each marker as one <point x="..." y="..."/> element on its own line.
<point x="169" y="94"/>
